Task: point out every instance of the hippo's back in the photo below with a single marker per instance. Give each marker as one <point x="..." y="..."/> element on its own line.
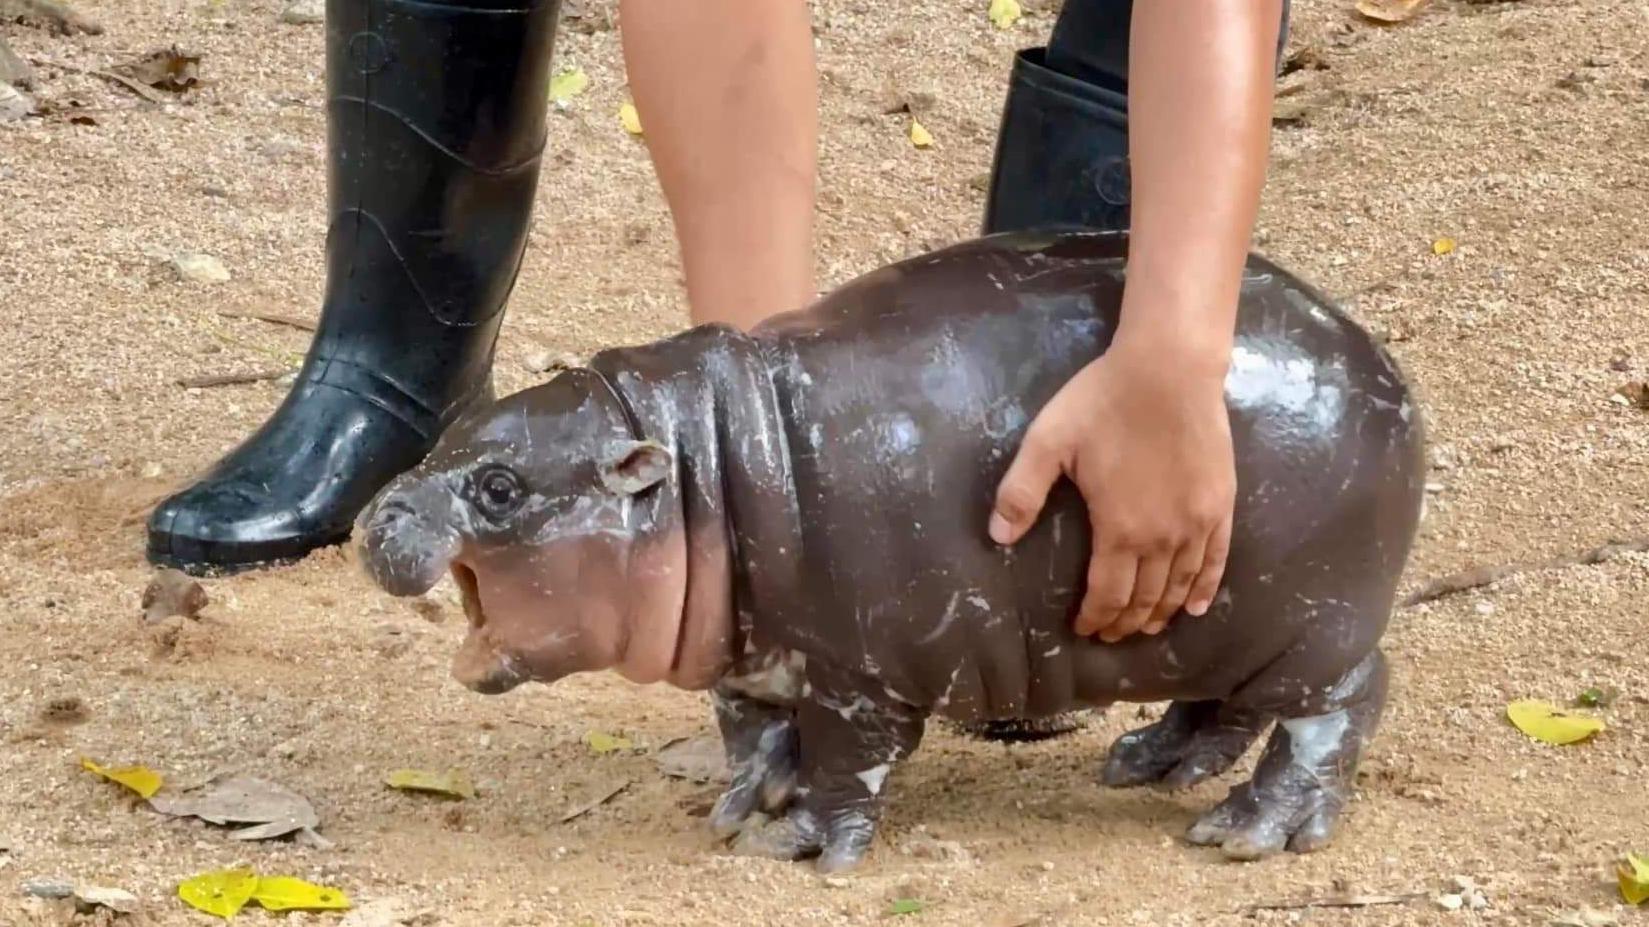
<point x="905" y="394"/>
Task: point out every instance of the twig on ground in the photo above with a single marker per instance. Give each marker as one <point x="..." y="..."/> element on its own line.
<point x="232" y="379"/>
<point x="270" y="317"/>
<point x="1341" y="901"/>
<point x="121" y="79"/>
<point x="588" y="807"/>
<point x="1478" y="577"/>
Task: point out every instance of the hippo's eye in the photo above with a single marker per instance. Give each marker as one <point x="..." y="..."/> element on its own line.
<point x="498" y="492"/>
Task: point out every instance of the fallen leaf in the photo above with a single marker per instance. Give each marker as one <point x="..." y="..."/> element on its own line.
<point x="1634" y="878"/>
<point x="1635" y="393"/>
<point x="222" y="893"/>
<point x="1389" y="11"/>
<point x="606" y="743"/>
<point x="92" y="897"/>
<point x="200" y="268"/>
<point x="906" y="906"/>
<point x="1443" y="246"/>
<point x="140" y="779"/>
<point x="1547" y="723"/>
<point x="284" y="893"/>
<point x="1004" y="13"/>
<point x="919" y="135"/>
<point x="568" y="84"/>
<point x="271" y="809"/>
<point x="166" y="69"/>
<point x="452" y="783"/>
<point x="630" y="118"/>
<point x="47" y="887"/>
<point x="697" y="759"/>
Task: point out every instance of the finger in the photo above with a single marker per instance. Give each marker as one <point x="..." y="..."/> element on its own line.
<point x="1024" y="488"/>
<point x="1207" y="582"/>
<point x="1187" y="562"/>
<point x="1149" y="582"/>
<point x="1110" y="585"/>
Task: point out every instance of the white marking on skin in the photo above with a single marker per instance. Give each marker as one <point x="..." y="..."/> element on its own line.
<point x="896" y="696"/>
<point x="978" y="601"/>
<point x="944" y="621"/>
<point x="859" y="704"/>
<point x="945" y="698"/>
<point x="874" y="777"/>
<point x="1051" y="653"/>
<point x="1311" y="741"/>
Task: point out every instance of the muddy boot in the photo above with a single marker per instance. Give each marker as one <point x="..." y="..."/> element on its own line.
<point x="435" y="129"/>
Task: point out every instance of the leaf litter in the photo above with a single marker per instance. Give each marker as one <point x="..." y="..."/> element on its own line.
<point x="270" y="810"/>
<point x="452" y="783"/>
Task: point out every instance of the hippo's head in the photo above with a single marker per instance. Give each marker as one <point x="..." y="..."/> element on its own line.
<point x="531" y="504"/>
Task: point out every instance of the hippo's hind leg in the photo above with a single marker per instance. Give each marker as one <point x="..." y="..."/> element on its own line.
<point x="1192" y="741"/>
<point x="1305" y="775"/>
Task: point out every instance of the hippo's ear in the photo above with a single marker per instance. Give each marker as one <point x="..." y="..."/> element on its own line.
<point x="628" y="467"/>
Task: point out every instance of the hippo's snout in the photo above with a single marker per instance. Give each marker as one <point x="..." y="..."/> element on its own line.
<point x="405" y="536"/>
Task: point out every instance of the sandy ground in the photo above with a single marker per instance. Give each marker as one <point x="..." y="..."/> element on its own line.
<point x="1519" y="129"/>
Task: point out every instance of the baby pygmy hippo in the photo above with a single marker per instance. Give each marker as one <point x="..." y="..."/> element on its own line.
<point x="795" y="520"/>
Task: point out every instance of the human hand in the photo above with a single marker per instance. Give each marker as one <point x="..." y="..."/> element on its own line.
<point x="1149" y="447"/>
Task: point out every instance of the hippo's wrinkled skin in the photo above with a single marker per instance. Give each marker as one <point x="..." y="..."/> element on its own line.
<point x="795" y="520"/>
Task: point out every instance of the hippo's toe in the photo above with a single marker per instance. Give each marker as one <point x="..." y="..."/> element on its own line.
<point x="1192" y="742"/>
<point x="839" y="840"/>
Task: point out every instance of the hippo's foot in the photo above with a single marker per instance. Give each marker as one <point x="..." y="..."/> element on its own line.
<point x="1192" y="742"/>
<point x="760" y="739"/>
<point x="840" y="840"/>
<point x="1303" y="778"/>
<point x="849" y="733"/>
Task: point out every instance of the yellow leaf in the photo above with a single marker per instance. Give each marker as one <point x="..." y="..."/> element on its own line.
<point x="606" y="743"/>
<point x="1005" y="13"/>
<point x="1546" y="722"/>
<point x="283" y="893"/>
<point x="1634" y="879"/>
<point x="1389" y="11"/>
<point x="919" y="135"/>
<point x="222" y="893"/>
<point x="568" y="84"/>
<point x="451" y="783"/>
<point x="140" y="779"/>
<point x="1442" y="246"/>
<point x="632" y="120"/>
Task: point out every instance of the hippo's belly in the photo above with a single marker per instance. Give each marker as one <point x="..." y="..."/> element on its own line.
<point x="904" y="397"/>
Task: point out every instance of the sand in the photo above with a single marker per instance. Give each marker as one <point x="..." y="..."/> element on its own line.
<point x="1519" y="129"/>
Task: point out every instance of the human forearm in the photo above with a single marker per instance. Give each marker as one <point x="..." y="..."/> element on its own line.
<point x="1201" y="76"/>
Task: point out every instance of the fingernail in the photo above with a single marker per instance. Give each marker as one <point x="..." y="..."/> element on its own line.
<point x="1198" y="608"/>
<point x="1001" y="531"/>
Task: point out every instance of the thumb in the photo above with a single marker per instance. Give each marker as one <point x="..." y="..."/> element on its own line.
<point x="1024" y="488"/>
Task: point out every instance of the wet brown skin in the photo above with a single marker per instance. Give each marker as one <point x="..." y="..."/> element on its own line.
<point x="796" y="519"/>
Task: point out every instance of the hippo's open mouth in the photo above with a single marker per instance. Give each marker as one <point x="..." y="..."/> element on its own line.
<point x="478" y="665"/>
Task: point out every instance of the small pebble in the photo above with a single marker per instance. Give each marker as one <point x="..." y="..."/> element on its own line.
<point x="46" y="887"/>
<point x="200" y="268"/>
<point x="304" y="12"/>
<point x="1047" y="866"/>
<point x="1450" y="902"/>
<point x="1485" y="608"/>
<point x="92" y="897"/>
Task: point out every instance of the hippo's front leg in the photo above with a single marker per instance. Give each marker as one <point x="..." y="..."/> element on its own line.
<point x="760" y="740"/>
<point x="850" y="733"/>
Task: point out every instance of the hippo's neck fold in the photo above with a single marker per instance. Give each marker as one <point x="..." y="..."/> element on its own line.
<point x="707" y="395"/>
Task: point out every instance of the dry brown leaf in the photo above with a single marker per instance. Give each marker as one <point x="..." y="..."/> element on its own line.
<point x="173" y="592"/>
<point x="696" y="759"/>
<point x="1389" y="11"/>
<point x="165" y="69"/>
<point x="271" y="809"/>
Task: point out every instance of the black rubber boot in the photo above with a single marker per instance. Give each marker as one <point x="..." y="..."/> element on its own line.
<point x="1061" y="152"/>
<point x="436" y="124"/>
